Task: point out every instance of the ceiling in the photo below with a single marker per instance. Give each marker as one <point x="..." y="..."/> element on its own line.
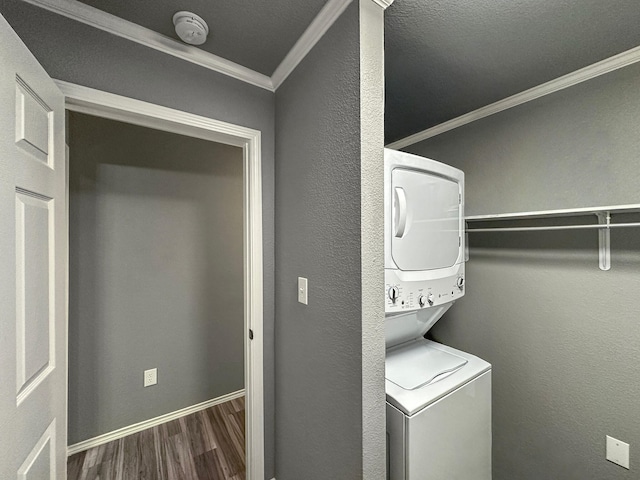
<point x="443" y="58"/>
<point x="255" y="34"/>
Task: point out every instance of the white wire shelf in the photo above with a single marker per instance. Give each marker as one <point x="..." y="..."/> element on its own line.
<point x="565" y="212"/>
<point x="602" y="214"/>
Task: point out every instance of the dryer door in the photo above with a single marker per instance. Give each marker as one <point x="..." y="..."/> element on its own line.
<point x="425" y="232"/>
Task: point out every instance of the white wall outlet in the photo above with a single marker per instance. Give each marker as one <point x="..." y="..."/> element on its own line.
<point x="618" y="452"/>
<point x="150" y="377"/>
<point x="303" y="290"/>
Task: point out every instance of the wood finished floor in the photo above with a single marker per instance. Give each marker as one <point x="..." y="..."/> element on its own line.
<point x="206" y="445"/>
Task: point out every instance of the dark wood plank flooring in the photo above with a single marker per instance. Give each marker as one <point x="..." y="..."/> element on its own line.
<point x="206" y="445"/>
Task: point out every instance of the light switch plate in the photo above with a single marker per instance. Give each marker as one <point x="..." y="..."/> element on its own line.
<point x="618" y="452"/>
<point x="303" y="290"/>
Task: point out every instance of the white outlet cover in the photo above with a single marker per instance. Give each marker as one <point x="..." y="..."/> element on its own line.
<point x="618" y="452"/>
<point x="150" y="377"/>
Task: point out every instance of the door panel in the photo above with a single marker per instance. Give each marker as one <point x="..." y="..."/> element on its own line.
<point x="33" y="258"/>
<point x="33" y="129"/>
<point x="35" y="326"/>
<point x="38" y="464"/>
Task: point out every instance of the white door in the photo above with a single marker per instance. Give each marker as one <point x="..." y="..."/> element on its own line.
<point x="33" y="257"/>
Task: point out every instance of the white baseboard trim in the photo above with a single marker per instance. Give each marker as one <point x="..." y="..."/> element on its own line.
<point x="607" y="65"/>
<point x="152" y="422"/>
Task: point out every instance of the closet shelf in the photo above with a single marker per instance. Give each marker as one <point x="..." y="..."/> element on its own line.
<point x="603" y="216"/>
<point x="566" y="212"/>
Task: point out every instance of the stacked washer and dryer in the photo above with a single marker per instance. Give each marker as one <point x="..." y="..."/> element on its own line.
<point x="438" y="398"/>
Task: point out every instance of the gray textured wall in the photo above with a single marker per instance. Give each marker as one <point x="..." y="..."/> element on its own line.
<point x="563" y="336"/>
<point x="155" y="273"/>
<point x="80" y="54"/>
<point x="372" y="239"/>
<point x="319" y="400"/>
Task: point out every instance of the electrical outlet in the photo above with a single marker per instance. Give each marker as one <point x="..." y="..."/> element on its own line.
<point x="150" y="377"/>
<point x="618" y="452"/>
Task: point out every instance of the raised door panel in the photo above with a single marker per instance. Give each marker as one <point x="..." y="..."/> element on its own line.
<point x="40" y="464"/>
<point x="33" y="123"/>
<point x="35" y="319"/>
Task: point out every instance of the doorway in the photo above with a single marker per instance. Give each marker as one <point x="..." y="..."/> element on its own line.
<point x="137" y="183"/>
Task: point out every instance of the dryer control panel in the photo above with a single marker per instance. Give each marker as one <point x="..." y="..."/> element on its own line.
<point x="405" y="296"/>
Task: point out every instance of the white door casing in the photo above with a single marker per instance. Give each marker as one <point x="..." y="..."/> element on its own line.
<point x="33" y="258"/>
<point x="108" y="105"/>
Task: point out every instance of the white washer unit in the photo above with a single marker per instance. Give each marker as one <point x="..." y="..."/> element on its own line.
<point x="438" y="398"/>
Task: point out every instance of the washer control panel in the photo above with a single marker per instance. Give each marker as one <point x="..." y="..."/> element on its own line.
<point x="415" y="295"/>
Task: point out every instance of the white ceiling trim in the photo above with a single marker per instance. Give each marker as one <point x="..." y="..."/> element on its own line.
<point x="314" y="32"/>
<point x="587" y="73"/>
<point x="383" y="3"/>
<point x="107" y="22"/>
<point x="117" y="26"/>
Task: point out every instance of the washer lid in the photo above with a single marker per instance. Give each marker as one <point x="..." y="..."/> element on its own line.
<point x="411" y="402"/>
<point x="417" y="365"/>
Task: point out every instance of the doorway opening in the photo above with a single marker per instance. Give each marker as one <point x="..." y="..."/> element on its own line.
<point x="164" y="273"/>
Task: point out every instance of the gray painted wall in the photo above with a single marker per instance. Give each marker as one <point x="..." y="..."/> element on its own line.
<point x="372" y="238"/>
<point x="563" y="336"/>
<point x="155" y="273"/>
<point x="80" y="54"/>
<point x="320" y="351"/>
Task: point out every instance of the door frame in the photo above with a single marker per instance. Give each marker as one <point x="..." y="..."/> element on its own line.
<point x="87" y="100"/>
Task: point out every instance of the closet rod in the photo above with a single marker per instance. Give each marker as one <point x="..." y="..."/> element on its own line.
<point x="555" y="227"/>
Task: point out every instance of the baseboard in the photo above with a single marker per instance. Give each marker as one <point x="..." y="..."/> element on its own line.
<point x="152" y="422"/>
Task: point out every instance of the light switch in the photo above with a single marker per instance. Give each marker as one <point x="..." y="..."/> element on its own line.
<point x="618" y="452"/>
<point x="303" y="290"/>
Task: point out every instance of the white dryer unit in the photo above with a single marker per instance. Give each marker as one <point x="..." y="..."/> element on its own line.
<point x="424" y="232"/>
<point x="438" y="398"/>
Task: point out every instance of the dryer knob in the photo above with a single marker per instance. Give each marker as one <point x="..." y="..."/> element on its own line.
<point x="430" y="299"/>
<point x="460" y="282"/>
<point x="394" y="293"/>
<point x="422" y="300"/>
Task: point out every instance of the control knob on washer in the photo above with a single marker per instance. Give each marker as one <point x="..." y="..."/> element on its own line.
<point x="430" y="298"/>
<point x="394" y="293"/>
<point x="422" y="300"/>
<point x="460" y="282"/>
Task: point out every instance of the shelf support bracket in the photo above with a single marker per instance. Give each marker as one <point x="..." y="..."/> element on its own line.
<point x="604" y="241"/>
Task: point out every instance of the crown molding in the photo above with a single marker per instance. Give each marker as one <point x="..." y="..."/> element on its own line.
<point x="383" y="3"/>
<point x="314" y="32"/>
<point x="94" y="17"/>
<point x="607" y="65"/>
<point x="107" y="22"/>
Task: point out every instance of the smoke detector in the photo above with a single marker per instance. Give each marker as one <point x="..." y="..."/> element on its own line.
<point x="191" y="28"/>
